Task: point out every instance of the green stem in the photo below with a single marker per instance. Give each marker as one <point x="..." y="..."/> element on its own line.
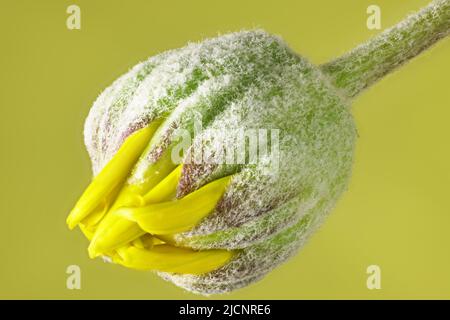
<point x="369" y="62"/>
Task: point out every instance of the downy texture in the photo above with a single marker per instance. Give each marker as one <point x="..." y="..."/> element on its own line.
<point x="208" y="226"/>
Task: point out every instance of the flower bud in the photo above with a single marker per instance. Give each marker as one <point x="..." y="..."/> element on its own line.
<point x="213" y="163"/>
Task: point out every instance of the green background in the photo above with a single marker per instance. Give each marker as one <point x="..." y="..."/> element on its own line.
<point x="396" y="213"/>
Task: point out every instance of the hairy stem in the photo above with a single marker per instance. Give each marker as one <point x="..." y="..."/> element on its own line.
<point x="371" y="61"/>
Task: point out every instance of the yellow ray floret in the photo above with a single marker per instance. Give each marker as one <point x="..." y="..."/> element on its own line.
<point x="168" y="258"/>
<point x="178" y="215"/>
<point x="115" y="230"/>
<point x="146" y="241"/>
<point x="87" y="231"/>
<point x="112" y="175"/>
<point x="94" y="218"/>
<point x="166" y="189"/>
<point x="122" y="220"/>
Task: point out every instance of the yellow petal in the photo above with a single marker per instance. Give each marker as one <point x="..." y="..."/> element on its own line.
<point x="166" y="189"/>
<point x="138" y="243"/>
<point x="156" y="172"/>
<point x="87" y="231"/>
<point x="118" y="232"/>
<point x="117" y="229"/>
<point x="178" y="215"/>
<point x="167" y="258"/>
<point x="97" y="215"/>
<point x="112" y="175"/>
<point x="147" y="241"/>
